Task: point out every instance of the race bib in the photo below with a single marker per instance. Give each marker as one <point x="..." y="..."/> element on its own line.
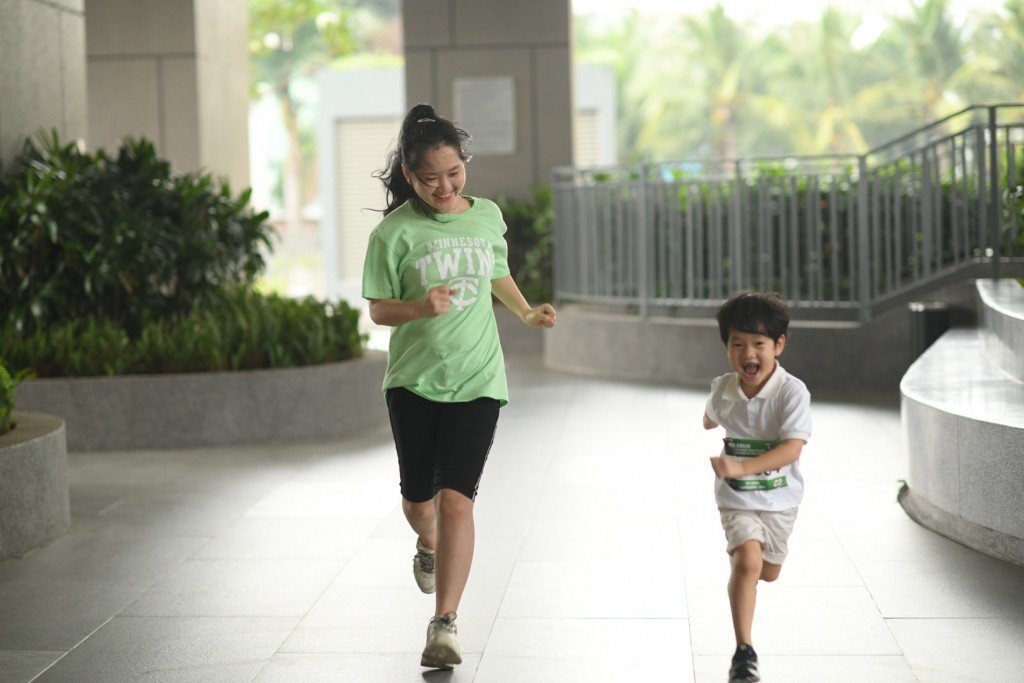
<point x="751" y="448"/>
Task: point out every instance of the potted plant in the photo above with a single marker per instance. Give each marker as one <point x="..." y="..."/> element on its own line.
<point x="34" y="502"/>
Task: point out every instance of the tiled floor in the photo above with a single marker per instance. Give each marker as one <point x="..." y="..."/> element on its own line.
<point x="600" y="558"/>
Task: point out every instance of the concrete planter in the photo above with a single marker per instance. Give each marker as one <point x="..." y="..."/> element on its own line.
<point x="34" y="503"/>
<point x="213" y="409"/>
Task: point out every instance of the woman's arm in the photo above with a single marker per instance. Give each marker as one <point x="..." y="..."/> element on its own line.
<point x="394" y="312"/>
<point x="508" y="293"/>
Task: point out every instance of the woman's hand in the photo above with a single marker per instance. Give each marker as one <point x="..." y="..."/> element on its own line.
<point x="438" y="301"/>
<point x="540" y="316"/>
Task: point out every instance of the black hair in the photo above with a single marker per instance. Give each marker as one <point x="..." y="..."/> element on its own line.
<point x="422" y="131"/>
<point x="755" y="313"/>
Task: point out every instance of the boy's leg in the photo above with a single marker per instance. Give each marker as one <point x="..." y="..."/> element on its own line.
<point x="747" y="566"/>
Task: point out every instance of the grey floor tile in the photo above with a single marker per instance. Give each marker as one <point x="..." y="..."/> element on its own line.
<point x="60" y="594"/>
<point x="328" y="499"/>
<point x="600" y="557"/>
<point x="587" y="651"/>
<point x="290" y="538"/>
<point x="962" y="650"/>
<point x="23" y="666"/>
<point x="795" y="621"/>
<point x="361" y="668"/>
<point x="178" y="512"/>
<point x="952" y="583"/>
<point x="606" y="540"/>
<point x="173" y="649"/>
<point x="237" y="588"/>
<point x="389" y="620"/>
<point x="811" y="669"/>
<point x="595" y="590"/>
<point x="388" y="561"/>
<point x="364" y="620"/>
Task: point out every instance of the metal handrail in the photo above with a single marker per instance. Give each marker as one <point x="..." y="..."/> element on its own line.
<point x="840" y="232"/>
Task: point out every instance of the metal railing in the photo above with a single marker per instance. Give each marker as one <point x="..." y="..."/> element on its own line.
<point x="839" y="232"/>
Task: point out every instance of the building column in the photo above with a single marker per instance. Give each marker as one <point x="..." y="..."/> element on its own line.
<point x="175" y="72"/>
<point x="505" y="69"/>
<point x="42" y="72"/>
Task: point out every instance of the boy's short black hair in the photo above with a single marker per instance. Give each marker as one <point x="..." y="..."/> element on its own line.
<point x="755" y="313"/>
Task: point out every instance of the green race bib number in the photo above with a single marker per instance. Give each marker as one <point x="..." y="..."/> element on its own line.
<point x="748" y="448"/>
<point x="751" y="448"/>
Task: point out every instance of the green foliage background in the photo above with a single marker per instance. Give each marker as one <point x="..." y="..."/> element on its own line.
<point x="112" y="264"/>
<point x="706" y="84"/>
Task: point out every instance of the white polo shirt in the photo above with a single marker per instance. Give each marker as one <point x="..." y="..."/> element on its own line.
<point x="780" y="411"/>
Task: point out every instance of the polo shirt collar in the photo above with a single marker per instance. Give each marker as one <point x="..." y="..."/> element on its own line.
<point x="771" y="388"/>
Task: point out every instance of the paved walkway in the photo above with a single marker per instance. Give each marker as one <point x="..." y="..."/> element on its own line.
<point x="599" y="558"/>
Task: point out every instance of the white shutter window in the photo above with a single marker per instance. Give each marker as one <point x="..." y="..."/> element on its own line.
<point x="362" y="146"/>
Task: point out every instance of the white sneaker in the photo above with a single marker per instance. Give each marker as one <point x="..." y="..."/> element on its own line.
<point x="442" y="650"/>
<point x="423" y="567"/>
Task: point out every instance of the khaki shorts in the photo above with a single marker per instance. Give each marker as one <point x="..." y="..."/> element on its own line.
<point x="769" y="528"/>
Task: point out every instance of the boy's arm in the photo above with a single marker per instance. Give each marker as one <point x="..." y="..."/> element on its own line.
<point x="709" y="423"/>
<point x="784" y="454"/>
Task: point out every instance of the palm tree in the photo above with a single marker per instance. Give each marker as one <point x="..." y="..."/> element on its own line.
<point x="924" y="53"/>
<point x="816" y="87"/>
<point x="721" y="59"/>
<point x="997" y="48"/>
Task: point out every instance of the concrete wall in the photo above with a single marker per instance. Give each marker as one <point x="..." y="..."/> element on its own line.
<point x="528" y="41"/>
<point x="175" y="72"/>
<point x="42" y="72"/>
<point x="835" y="359"/>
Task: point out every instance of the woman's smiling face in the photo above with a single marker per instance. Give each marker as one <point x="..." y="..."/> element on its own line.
<point x="439" y="179"/>
<point x="753" y="356"/>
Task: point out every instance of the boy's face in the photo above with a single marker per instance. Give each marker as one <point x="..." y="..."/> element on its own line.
<point x="753" y="356"/>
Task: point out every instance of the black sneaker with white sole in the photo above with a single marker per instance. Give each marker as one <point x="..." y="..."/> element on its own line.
<point x="744" y="666"/>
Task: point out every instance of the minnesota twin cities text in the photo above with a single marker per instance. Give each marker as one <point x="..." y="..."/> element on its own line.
<point x="456" y="256"/>
<point x="461" y="262"/>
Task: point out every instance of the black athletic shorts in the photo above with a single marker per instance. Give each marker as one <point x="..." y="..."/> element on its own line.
<point x="440" y="445"/>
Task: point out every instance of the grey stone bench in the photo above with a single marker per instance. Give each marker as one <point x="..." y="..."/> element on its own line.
<point x="963" y="416"/>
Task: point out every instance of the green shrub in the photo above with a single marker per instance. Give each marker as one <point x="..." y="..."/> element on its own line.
<point x="242" y="330"/>
<point x="530" y="243"/>
<point x="7" y="386"/>
<point x="120" y="238"/>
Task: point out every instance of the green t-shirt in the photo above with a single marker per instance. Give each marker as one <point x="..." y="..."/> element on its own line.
<point x="455" y="356"/>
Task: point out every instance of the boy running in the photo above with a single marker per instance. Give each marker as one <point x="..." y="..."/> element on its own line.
<point x="758" y="487"/>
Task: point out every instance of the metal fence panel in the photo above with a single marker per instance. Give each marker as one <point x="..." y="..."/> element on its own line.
<point x="838" y="231"/>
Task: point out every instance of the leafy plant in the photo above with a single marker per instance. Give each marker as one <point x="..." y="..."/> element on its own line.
<point x="242" y="331"/>
<point x="118" y="237"/>
<point x="530" y="243"/>
<point x="7" y="386"/>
